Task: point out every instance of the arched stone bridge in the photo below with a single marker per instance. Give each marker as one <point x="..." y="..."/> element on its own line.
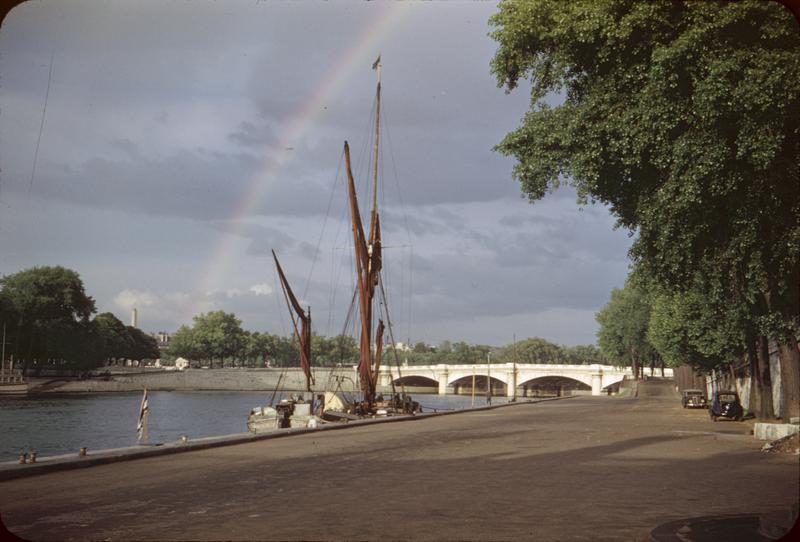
<point x="514" y="376"/>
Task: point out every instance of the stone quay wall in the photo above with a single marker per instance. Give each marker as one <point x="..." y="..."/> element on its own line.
<point x="212" y="379"/>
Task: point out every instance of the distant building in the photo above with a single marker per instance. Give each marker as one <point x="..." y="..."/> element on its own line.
<point x="162" y="339"/>
<point x="135" y="317"/>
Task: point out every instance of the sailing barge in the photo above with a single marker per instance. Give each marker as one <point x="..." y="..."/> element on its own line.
<point x="302" y="411"/>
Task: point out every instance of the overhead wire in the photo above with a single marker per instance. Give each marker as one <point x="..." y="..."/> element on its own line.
<point x="41" y="125"/>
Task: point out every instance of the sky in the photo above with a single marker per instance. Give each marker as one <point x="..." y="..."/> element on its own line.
<point x="163" y="149"/>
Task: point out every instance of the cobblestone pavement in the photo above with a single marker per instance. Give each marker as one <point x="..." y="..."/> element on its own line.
<point x="585" y="468"/>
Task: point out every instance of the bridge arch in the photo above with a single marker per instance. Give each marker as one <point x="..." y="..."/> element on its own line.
<point x="463" y="385"/>
<point x="417" y="381"/>
<point x="552" y="386"/>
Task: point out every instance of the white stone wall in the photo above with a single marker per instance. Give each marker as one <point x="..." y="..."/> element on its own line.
<point x="210" y="379"/>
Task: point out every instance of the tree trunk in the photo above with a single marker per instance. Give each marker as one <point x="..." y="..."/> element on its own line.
<point x="29" y="356"/>
<point x="662" y="368"/>
<point x="15" y="352"/>
<point x="761" y="381"/>
<point x="790" y="378"/>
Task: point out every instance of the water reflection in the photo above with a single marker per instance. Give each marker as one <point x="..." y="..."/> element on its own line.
<point x="58" y="424"/>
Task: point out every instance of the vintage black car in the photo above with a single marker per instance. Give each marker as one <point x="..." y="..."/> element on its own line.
<point x="693" y="399"/>
<point x="726" y="404"/>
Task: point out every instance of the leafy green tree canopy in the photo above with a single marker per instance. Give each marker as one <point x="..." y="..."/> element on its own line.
<point x="46" y="312"/>
<point x="218" y="335"/>
<point x="682" y="117"/>
<point x="624" y="323"/>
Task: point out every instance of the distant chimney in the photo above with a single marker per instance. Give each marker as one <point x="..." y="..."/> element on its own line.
<point x="135" y="318"/>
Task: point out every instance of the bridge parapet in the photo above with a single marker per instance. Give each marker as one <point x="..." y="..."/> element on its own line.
<point x="596" y="376"/>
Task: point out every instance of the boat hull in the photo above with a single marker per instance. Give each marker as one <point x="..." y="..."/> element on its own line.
<point x="14" y="388"/>
<point x="262" y="424"/>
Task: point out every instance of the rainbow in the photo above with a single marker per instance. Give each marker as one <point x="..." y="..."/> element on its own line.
<point x="359" y="56"/>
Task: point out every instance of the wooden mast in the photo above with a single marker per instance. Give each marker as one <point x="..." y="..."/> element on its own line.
<point x="368" y="266"/>
<point x="374" y="247"/>
<point x="304" y="333"/>
<point x="377" y="67"/>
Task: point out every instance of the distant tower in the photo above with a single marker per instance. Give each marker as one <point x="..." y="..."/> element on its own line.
<point x="135" y="318"/>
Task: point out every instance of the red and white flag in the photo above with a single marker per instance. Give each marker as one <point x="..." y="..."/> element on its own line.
<point x="141" y="426"/>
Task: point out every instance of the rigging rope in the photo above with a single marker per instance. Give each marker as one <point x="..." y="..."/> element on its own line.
<point x="325" y="221"/>
<point x="405" y="218"/>
<point x="391" y="338"/>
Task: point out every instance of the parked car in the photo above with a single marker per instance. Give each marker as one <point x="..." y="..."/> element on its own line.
<point x="694" y="399"/>
<point x="726" y="404"/>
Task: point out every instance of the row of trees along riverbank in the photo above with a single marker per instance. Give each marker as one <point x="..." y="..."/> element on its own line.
<point x="48" y="322"/>
<point x="682" y="117"/>
<point x="216" y="339"/>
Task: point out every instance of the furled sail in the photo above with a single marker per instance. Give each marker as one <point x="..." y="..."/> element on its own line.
<point x="304" y="333"/>
<point x="368" y="267"/>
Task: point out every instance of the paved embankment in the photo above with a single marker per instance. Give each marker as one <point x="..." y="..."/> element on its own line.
<point x="588" y="468"/>
<point x="10" y="470"/>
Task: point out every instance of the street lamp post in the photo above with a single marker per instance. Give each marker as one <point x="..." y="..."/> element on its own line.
<point x="488" y="378"/>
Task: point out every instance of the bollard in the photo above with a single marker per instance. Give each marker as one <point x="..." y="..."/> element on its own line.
<point x="82" y="452"/>
<point x="22" y="458"/>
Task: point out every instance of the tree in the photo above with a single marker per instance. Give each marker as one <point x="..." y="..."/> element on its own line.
<point x="342" y="349"/>
<point x="685" y="328"/>
<point x="182" y="344"/>
<point x="702" y="327"/>
<point x="583" y="354"/>
<point x="287" y="352"/>
<point x="624" y="322"/>
<point x="681" y="116"/>
<point x="218" y="335"/>
<point x="534" y="350"/>
<point x="142" y="345"/>
<point x="258" y="348"/>
<point x="463" y="353"/>
<point x="115" y="341"/>
<point x="48" y="310"/>
<point x="421" y="348"/>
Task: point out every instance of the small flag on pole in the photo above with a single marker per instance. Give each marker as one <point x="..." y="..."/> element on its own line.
<point x="141" y="426"/>
<point x="376" y="63"/>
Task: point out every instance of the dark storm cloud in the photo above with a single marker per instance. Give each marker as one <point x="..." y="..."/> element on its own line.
<point x="199" y="184"/>
<point x="417" y="224"/>
<point x="250" y="135"/>
<point x="128" y="148"/>
<point x="188" y="184"/>
<point x="264" y="239"/>
<point x="459" y="288"/>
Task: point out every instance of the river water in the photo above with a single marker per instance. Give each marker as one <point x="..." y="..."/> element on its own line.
<point x="59" y="424"/>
